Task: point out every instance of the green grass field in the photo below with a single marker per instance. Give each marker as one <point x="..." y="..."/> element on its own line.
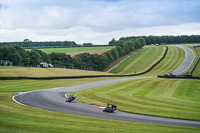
<point x="174" y="58"/>
<point x="196" y="56"/>
<point x="146" y="58"/>
<point x="15" y="118"/>
<point x="174" y="98"/>
<point x="74" y="49"/>
<point x="44" y="72"/>
<point x="196" y="72"/>
<point x="140" y="61"/>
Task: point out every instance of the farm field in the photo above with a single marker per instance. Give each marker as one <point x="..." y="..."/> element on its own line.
<point x="17" y="118"/>
<point x="173" y="98"/>
<point x="44" y="72"/>
<point x="99" y="52"/>
<point x="75" y="49"/>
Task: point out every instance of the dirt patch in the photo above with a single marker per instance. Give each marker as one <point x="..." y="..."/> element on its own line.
<point x="99" y="52"/>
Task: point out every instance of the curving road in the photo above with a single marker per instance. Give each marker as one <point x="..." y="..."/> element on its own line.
<point x="187" y="62"/>
<point x="54" y="100"/>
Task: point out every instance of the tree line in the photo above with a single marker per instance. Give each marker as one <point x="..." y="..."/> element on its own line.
<point x="28" y="44"/>
<point x="19" y="57"/>
<point x="161" y="39"/>
<point x="51" y="44"/>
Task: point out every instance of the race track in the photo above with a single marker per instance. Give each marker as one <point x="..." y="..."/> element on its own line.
<point x="54" y="100"/>
<point x="187" y="62"/>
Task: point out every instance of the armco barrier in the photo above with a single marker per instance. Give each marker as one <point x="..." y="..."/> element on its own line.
<point x="196" y="46"/>
<point x="179" y="76"/>
<point x="92" y="76"/>
<point x="194" y="66"/>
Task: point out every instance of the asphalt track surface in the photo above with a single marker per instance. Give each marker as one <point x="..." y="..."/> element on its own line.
<point x="55" y="100"/>
<point x="187" y="62"/>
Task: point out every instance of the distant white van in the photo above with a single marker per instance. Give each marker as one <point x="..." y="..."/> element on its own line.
<point x="46" y="65"/>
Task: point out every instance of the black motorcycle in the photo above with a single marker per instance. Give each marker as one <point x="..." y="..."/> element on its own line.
<point x="71" y="98"/>
<point x="111" y="107"/>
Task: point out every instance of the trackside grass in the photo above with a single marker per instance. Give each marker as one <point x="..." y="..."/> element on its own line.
<point x="146" y="58"/>
<point x="174" y="98"/>
<point x="196" y="72"/>
<point x="196" y="52"/>
<point x="44" y="72"/>
<point x="74" y="49"/>
<point x="174" y="58"/>
<point x="141" y="61"/>
<point x="15" y="118"/>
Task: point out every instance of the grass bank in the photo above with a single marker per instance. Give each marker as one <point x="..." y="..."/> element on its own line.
<point x="16" y="118"/>
<point x="146" y="58"/>
<point x="140" y="61"/>
<point x="196" y="52"/>
<point x="173" y="98"/>
<point x="196" y="72"/>
<point x="44" y="72"/>
<point x="174" y="58"/>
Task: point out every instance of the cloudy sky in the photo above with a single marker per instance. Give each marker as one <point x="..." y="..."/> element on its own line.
<point x="96" y="21"/>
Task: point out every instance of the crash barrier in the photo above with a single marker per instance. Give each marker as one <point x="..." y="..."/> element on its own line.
<point x="196" y="46"/>
<point x="194" y="66"/>
<point x="178" y="76"/>
<point x="92" y="76"/>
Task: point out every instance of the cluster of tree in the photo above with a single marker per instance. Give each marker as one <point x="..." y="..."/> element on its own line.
<point x="29" y="44"/>
<point x="100" y="62"/>
<point x="161" y="39"/>
<point x="172" y="39"/>
<point x="87" y="44"/>
<point x="18" y="56"/>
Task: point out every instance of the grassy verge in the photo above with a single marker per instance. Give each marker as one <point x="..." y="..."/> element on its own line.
<point x="174" y="98"/>
<point x="174" y="58"/>
<point x="196" y="56"/>
<point x="196" y="72"/>
<point x="146" y="58"/>
<point x="74" y="49"/>
<point x="15" y="118"/>
<point x="140" y="61"/>
<point x="44" y="72"/>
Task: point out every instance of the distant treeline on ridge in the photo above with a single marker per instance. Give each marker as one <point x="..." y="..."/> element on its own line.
<point x="161" y="39"/>
<point x="51" y="44"/>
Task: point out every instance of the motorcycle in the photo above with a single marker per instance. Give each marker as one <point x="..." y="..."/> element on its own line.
<point x="111" y="107"/>
<point x="71" y="98"/>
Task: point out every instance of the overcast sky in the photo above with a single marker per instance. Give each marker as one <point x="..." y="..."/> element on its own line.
<point x="96" y="21"/>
